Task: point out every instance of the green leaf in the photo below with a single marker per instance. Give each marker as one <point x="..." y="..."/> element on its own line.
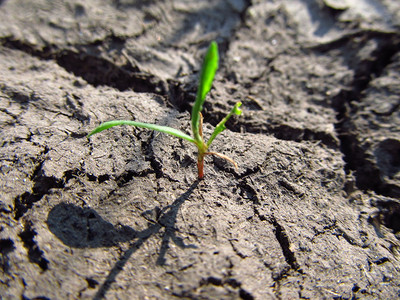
<point x="210" y="66"/>
<point x="164" y="129"/>
<point x="221" y="125"/>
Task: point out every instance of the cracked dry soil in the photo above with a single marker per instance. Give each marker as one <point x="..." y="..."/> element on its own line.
<point x="313" y="212"/>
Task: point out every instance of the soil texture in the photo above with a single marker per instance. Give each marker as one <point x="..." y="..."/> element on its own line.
<point x="312" y="212"/>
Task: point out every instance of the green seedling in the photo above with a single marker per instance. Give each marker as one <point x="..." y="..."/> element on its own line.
<point x="210" y="66"/>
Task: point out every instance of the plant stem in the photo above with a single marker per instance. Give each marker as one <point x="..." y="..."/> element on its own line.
<point x="200" y="166"/>
<point x="202" y="149"/>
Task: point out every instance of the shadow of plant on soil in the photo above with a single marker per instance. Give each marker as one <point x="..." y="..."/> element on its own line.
<point x="84" y="228"/>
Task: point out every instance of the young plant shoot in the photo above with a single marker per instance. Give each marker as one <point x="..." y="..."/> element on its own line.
<point x="210" y="66"/>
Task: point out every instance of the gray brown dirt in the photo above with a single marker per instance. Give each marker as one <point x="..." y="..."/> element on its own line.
<point x="313" y="210"/>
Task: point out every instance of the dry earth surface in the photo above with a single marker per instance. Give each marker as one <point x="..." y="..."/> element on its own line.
<point x="313" y="212"/>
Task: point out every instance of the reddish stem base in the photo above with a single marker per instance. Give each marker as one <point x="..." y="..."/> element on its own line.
<point x="200" y="167"/>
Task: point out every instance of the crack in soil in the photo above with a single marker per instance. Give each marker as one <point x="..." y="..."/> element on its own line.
<point x="83" y="61"/>
<point x="337" y="231"/>
<point x="243" y="294"/>
<point x="290" y="258"/>
<point x="35" y="254"/>
<point x="99" y="71"/>
<point x="247" y="191"/>
<point x="44" y="184"/>
<point x="74" y="104"/>
<point x="284" y="242"/>
<point x="286" y="133"/>
<point x="6" y="246"/>
<point x="367" y="175"/>
<point x="24" y="202"/>
<point x="236" y="250"/>
<point x="23" y="99"/>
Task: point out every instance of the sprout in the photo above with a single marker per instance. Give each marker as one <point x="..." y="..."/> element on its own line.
<point x="210" y="66"/>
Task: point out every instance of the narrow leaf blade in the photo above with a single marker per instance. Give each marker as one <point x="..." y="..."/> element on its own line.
<point x="210" y="66"/>
<point x="164" y="129"/>
<point x="209" y="69"/>
<point x="221" y="125"/>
